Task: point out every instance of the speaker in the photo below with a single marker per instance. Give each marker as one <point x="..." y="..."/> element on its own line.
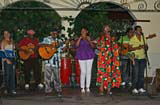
<point x="158" y="79"/>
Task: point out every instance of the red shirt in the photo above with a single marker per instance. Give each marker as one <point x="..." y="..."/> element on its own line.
<point x="25" y="41"/>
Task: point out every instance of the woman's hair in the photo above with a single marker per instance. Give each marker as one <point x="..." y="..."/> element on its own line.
<point x="129" y="29"/>
<point x="85" y="29"/>
<point x="3" y="38"/>
<point x="136" y="27"/>
<point x="102" y="32"/>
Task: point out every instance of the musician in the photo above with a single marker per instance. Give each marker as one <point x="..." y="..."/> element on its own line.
<point x="52" y="65"/>
<point x="32" y="62"/>
<point x="108" y="75"/>
<point x="85" y="55"/>
<point x="138" y="45"/>
<point x="124" y="57"/>
<point x="9" y="67"/>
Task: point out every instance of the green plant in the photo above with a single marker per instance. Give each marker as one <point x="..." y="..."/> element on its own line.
<point x="94" y="18"/>
<point x="17" y="21"/>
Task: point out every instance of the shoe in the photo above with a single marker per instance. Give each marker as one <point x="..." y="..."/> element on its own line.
<point x="14" y="92"/>
<point x="40" y="86"/>
<point x="135" y="91"/>
<point x="59" y="94"/>
<point x="83" y="90"/>
<point x="48" y="90"/>
<point x="88" y="90"/>
<point x="47" y="93"/>
<point x="26" y="86"/>
<point x="101" y="93"/>
<point x="5" y="92"/>
<point x="109" y="93"/>
<point x="141" y="90"/>
<point x="123" y="83"/>
<point x="130" y="84"/>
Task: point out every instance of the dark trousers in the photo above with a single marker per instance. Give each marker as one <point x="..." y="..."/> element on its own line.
<point x="52" y="75"/>
<point x="32" y="64"/>
<point x="9" y="77"/>
<point x="125" y="70"/>
<point x="138" y="73"/>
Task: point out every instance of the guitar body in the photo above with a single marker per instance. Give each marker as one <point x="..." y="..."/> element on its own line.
<point x="124" y="50"/>
<point x="125" y="47"/>
<point x="26" y="52"/>
<point x="46" y="52"/>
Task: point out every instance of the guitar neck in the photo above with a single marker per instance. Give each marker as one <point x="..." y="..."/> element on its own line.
<point x="151" y="36"/>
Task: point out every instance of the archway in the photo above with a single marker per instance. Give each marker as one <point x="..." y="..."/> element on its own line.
<point x="18" y="20"/>
<point x="97" y="14"/>
<point x="23" y="15"/>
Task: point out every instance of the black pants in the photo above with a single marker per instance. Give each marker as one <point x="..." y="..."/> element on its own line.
<point x="10" y="76"/>
<point x="32" y="64"/>
<point x="138" y="73"/>
<point x="125" y="70"/>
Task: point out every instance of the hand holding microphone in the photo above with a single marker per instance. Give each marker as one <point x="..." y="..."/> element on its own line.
<point x="88" y="38"/>
<point x="142" y="33"/>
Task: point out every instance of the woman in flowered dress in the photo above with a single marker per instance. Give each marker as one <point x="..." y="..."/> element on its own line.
<point x="108" y="75"/>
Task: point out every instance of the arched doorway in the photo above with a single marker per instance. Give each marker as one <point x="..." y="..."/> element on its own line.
<point x="21" y="15"/>
<point x="97" y="14"/>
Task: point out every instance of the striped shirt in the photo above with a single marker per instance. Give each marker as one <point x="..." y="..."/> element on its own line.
<point x="55" y="60"/>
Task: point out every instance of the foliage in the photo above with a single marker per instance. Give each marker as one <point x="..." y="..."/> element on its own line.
<point x="17" y="21"/>
<point x="94" y="18"/>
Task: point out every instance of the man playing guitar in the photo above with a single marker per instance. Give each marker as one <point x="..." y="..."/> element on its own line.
<point x="124" y="57"/>
<point x="138" y="46"/>
<point x="28" y="52"/>
<point x="53" y="46"/>
<point x="127" y="57"/>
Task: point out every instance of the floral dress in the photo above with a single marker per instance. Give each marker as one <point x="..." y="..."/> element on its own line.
<point x="108" y="63"/>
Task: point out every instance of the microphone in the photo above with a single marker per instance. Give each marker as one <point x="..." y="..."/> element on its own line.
<point x="142" y="33"/>
<point x="105" y="32"/>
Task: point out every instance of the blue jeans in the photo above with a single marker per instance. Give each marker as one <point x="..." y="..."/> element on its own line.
<point x="10" y="77"/>
<point x="125" y="70"/>
<point x="138" y="73"/>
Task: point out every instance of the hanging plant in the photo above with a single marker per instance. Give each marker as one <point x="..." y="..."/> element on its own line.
<point x="96" y="16"/>
<point x="17" y="21"/>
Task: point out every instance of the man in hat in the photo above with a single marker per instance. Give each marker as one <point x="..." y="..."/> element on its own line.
<point x="52" y="65"/>
<point x="32" y="62"/>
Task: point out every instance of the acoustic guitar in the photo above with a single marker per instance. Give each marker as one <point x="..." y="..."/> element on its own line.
<point x="46" y="51"/>
<point x="125" y="47"/>
<point x="26" y="51"/>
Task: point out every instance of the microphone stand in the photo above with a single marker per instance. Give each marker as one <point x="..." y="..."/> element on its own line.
<point x="147" y="63"/>
<point x="145" y="50"/>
